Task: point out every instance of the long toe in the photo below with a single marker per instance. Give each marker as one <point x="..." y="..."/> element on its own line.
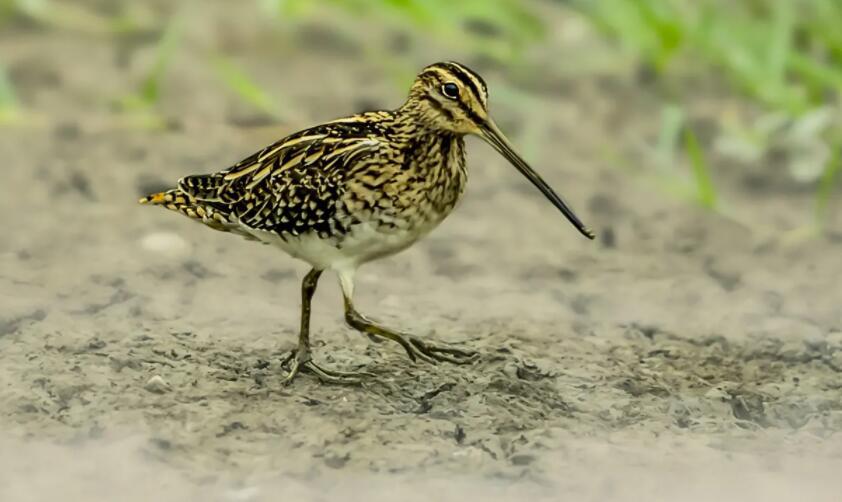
<point x="337" y="377"/>
<point x="416" y="353"/>
<point x="443" y="353"/>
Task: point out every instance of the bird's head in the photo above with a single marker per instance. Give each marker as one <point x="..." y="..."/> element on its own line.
<point x="450" y="98"/>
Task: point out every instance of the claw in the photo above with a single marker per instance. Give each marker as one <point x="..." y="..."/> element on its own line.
<point x="301" y="361"/>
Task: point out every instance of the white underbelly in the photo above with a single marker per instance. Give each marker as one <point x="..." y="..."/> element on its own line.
<point x="364" y="243"/>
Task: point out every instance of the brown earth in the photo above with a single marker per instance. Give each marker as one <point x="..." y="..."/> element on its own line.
<point x="681" y="356"/>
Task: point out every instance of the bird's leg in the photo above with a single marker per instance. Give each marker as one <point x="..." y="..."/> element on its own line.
<point x="415" y="347"/>
<point x="301" y="358"/>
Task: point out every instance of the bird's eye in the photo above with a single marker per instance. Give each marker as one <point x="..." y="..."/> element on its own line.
<point x="450" y="90"/>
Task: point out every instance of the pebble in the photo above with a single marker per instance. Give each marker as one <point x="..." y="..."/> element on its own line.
<point x="836" y="360"/>
<point x="157" y="385"/>
<point x="167" y="243"/>
<point x="718" y="394"/>
<point x="834" y="340"/>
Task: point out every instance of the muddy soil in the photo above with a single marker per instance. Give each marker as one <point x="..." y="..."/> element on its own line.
<point x="680" y="356"/>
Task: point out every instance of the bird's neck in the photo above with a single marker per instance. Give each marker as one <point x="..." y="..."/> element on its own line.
<point x="439" y="159"/>
<point x="420" y="115"/>
<point x="429" y="151"/>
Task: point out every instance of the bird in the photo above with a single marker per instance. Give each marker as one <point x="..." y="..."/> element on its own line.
<point x="349" y="191"/>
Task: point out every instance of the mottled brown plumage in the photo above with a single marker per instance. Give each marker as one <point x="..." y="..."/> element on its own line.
<point x="343" y="193"/>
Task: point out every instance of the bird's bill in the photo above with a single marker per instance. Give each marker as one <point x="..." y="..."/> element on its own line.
<point x="492" y="134"/>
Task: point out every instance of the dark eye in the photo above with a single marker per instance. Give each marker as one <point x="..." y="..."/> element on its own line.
<point x="450" y="90"/>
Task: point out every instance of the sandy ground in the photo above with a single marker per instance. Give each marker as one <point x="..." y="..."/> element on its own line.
<point x="681" y="356"/>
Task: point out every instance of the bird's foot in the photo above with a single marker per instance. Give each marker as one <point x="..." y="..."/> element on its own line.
<point x="416" y="348"/>
<point x="301" y="360"/>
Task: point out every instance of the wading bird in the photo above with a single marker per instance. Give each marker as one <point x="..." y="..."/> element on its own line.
<point x="346" y="192"/>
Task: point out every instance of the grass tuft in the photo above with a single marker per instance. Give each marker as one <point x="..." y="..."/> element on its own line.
<point x="785" y="55"/>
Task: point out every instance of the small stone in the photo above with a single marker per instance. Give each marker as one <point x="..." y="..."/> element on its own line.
<point x="246" y="494"/>
<point x="459" y="434"/>
<point x="96" y="344"/>
<point x="836" y="360"/>
<point x="522" y="459"/>
<point x="337" y="461"/>
<point x="834" y="340"/>
<point x="510" y="369"/>
<point x="166" y="243"/>
<point x="717" y="394"/>
<point x="157" y="385"/>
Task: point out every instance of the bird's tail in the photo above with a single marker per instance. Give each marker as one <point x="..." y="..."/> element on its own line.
<point x="209" y="214"/>
<point x="176" y="200"/>
<point x="173" y="196"/>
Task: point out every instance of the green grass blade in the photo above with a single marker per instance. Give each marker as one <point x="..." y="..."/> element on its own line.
<point x="667" y="27"/>
<point x="8" y="98"/>
<point x="150" y="90"/>
<point x="705" y="191"/>
<point x="672" y="121"/>
<point x="783" y="24"/>
<point x="244" y="87"/>
<point x="818" y="75"/>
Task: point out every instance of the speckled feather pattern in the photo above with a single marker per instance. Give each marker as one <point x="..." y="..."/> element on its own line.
<point x="380" y="170"/>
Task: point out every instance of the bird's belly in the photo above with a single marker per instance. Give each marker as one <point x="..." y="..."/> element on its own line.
<point x="363" y="242"/>
<point x="367" y="241"/>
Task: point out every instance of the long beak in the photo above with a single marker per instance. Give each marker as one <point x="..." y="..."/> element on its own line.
<point x="491" y="133"/>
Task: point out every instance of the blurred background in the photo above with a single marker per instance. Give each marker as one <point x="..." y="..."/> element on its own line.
<point x="694" y="349"/>
<point x="722" y="104"/>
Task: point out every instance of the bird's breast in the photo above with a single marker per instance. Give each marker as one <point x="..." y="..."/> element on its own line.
<point x="413" y="190"/>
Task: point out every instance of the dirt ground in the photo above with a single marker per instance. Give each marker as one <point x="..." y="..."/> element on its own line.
<point x="681" y="356"/>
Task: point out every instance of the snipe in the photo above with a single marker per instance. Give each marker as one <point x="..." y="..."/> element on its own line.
<point x="343" y="193"/>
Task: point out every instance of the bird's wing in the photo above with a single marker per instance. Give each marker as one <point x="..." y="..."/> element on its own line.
<point x="324" y="148"/>
<point x="286" y="186"/>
